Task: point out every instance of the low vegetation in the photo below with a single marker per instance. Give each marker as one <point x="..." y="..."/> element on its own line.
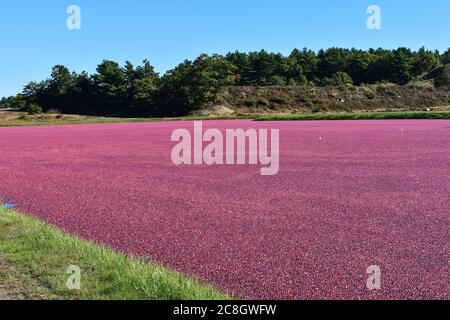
<point x="418" y="96"/>
<point x="45" y="253"/>
<point x="138" y="91"/>
<point x="360" y="116"/>
<point x="10" y="118"/>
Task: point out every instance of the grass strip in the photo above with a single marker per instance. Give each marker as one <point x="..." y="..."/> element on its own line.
<point x="46" y="252"/>
<point x="358" y="116"/>
<point x="111" y="120"/>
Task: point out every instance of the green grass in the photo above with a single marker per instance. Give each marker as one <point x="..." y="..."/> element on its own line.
<point x="62" y="122"/>
<point x="358" y="116"/>
<point x="45" y="253"/>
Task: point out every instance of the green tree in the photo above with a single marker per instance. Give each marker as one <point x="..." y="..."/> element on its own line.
<point x="17" y="102"/>
<point x="305" y="64"/>
<point x="332" y="61"/>
<point x="446" y="57"/>
<point x="338" y="79"/>
<point x="194" y="85"/>
<point x="264" y="66"/>
<point x="443" y="76"/>
<point x="358" y="65"/>
<point x="110" y="86"/>
<point x="33" y="92"/>
<point x="241" y="61"/>
<point x="83" y="96"/>
<point x="61" y="81"/>
<point x="380" y="69"/>
<point x="402" y="66"/>
<point x="426" y="60"/>
<point x="142" y="85"/>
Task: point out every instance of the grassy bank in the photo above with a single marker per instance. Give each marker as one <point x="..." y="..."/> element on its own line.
<point x="358" y="116"/>
<point x="99" y="120"/>
<point x="374" y="98"/>
<point x="45" y="253"/>
<point x="49" y="120"/>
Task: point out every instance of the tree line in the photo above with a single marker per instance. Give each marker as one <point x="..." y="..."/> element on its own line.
<point x="140" y="91"/>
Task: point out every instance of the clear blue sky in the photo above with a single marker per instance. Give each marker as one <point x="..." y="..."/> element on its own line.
<point x="34" y="36"/>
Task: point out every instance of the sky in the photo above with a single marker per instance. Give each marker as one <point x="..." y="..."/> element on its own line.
<point x="34" y="36"/>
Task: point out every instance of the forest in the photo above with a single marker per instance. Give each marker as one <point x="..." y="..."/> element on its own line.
<point x="130" y="90"/>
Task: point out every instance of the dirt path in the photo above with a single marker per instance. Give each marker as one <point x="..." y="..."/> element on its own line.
<point x="7" y="283"/>
<point x="17" y="284"/>
<point x="6" y="294"/>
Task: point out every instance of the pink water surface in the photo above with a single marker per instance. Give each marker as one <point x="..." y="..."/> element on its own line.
<point x="348" y="195"/>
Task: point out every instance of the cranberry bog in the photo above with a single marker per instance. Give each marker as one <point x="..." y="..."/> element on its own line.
<point x="348" y="195"/>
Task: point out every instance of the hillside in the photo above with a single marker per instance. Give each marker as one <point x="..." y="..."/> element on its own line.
<point x="311" y="99"/>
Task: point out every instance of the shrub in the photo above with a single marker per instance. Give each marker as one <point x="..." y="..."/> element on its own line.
<point x="33" y="109"/>
<point x="370" y="95"/>
<point x="443" y="77"/>
<point x="316" y="109"/>
<point x="292" y="82"/>
<point x="250" y="103"/>
<point x="43" y="117"/>
<point x="309" y="104"/>
<point x="277" y="81"/>
<point x="342" y="79"/>
<point x="263" y="102"/>
<point x="338" y="79"/>
<point x="53" y="111"/>
<point x="280" y="100"/>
